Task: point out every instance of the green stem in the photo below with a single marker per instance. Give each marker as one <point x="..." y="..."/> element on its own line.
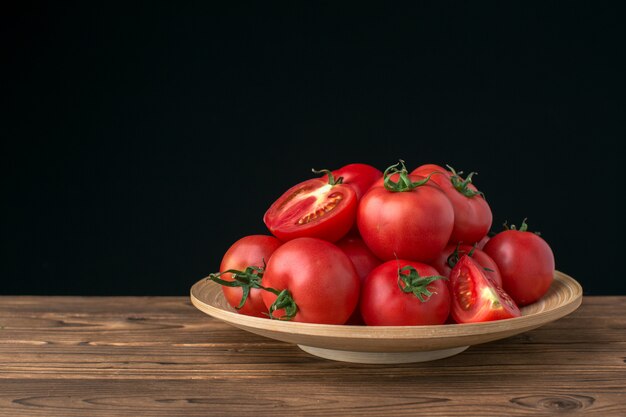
<point x="284" y="301"/>
<point x="523" y="227"/>
<point x="416" y="284"/>
<point x="462" y="185"/>
<point x="247" y="279"/>
<point x="454" y="256"/>
<point x="331" y="177"/>
<point x="251" y="278"/>
<point x="404" y="182"/>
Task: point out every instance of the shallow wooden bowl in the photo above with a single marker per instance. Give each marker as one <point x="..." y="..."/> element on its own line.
<point x="392" y="344"/>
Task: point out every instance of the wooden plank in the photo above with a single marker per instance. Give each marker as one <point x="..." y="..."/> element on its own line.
<point x="159" y="356"/>
<point x="310" y="396"/>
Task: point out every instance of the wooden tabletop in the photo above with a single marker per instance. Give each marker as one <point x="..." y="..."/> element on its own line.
<point x="159" y="356"/>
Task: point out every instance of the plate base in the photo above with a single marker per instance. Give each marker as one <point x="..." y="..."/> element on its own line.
<point x="381" y="357"/>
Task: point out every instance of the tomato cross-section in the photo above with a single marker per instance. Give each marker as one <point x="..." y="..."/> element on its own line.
<point x="476" y="298"/>
<point x="313" y="208"/>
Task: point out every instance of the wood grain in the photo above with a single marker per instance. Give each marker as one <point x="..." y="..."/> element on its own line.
<point x="90" y="356"/>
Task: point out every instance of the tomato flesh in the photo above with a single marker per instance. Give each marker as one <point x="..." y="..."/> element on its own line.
<point x="475" y="298"/>
<point x="313" y="208"/>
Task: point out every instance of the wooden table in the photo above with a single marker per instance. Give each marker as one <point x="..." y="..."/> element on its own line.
<point x="159" y="356"/>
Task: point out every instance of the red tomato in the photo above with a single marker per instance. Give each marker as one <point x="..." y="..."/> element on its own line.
<point x="248" y="251"/>
<point x="317" y="276"/>
<point x="472" y="215"/>
<point x="361" y="256"/>
<point x="313" y="208"/>
<point x="448" y="258"/>
<point x="407" y="219"/>
<point x="526" y="263"/>
<point x="404" y="293"/>
<point x="475" y="298"/>
<point x="358" y="176"/>
<point x="364" y="262"/>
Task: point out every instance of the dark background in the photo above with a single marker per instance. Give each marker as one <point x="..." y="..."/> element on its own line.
<point x="139" y="142"/>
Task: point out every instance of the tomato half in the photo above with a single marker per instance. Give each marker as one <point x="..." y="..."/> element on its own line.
<point x="448" y="258"/>
<point x="358" y="176"/>
<point x="317" y="276"/>
<point x="406" y="217"/>
<point x="526" y="263"/>
<point x="314" y="208"/>
<point x="475" y="298"/>
<point x="472" y="214"/>
<point x="404" y="293"/>
<point x="248" y="251"/>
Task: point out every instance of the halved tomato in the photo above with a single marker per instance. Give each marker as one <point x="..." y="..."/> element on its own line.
<point x="319" y="208"/>
<point x="475" y="298"/>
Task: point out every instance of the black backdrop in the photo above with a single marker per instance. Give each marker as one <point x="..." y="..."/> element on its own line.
<point x="139" y="142"/>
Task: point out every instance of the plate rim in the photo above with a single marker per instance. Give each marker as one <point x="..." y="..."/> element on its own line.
<point x="442" y="331"/>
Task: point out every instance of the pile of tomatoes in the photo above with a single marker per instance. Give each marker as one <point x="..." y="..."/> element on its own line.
<point x="359" y="246"/>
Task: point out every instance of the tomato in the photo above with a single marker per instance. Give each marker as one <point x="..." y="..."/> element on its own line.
<point x="526" y="263"/>
<point x="448" y="258"/>
<point x="364" y="262"/>
<point x="358" y="176"/>
<point x="404" y="293"/>
<point x="361" y="256"/>
<point x="408" y="219"/>
<point x="313" y="208"/>
<point x="472" y="214"/>
<point x="475" y="298"/>
<point x="318" y="282"/>
<point x="249" y="251"/>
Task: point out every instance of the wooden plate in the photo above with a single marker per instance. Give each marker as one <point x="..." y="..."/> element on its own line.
<point x="392" y="344"/>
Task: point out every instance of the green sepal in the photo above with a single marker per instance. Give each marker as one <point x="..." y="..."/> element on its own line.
<point x="247" y="279"/>
<point x="461" y="185"/>
<point x="284" y="301"/>
<point x="416" y="284"/>
<point x="404" y="182"/>
<point x="523" y="227"/>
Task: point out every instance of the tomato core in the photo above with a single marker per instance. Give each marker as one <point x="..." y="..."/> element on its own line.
<point x="328" y="205"/>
